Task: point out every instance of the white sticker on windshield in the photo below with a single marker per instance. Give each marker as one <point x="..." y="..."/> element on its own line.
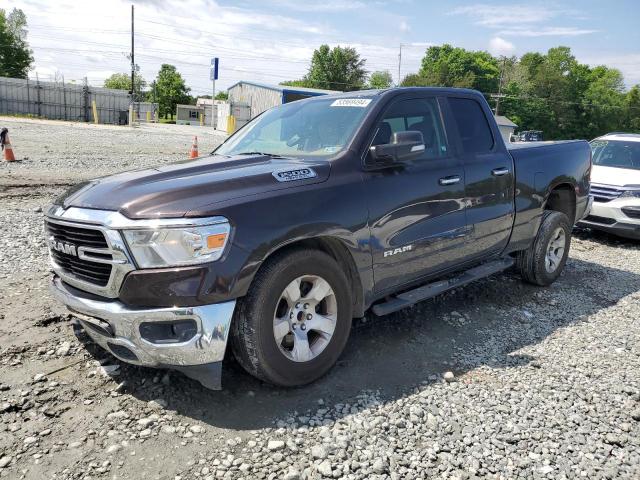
<point x="351" y="102"/>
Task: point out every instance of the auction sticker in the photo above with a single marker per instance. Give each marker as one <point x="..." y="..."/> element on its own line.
<point x="351" y="102"/>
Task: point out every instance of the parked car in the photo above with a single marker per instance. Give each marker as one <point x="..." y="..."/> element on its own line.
<point x="615" y="186"/>
<point x="313" y="213"/>
<point x="529" y="136"/>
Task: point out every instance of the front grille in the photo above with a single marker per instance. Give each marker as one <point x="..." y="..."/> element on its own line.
<point x="86" y="270"/>
<point x="80" y="236"/>
<point x="605" y="193"/>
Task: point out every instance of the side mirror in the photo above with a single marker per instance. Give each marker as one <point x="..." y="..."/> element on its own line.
<point x="404" y="146"/>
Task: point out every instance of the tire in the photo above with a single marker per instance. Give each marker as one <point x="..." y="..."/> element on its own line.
<point x="534" y="263"/>
<point x="253" y="334"/>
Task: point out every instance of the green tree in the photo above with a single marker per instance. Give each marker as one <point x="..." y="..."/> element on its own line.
<point x="632" y="106"/>
<point x="295" y="83"/>
<point x="222" y="96"/>
<point x="338" y="68"/>
<point x="122" y="81"/>
<point x="15" y="55"/>
<point x="447" y="66"/>
<point x="380" y="79"/>
<point x="171" y="89"/>
<point x="414" y="80"/>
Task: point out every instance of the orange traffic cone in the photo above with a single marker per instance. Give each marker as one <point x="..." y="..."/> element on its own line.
<point x="194" y="148"/>
<point x="6" y="146"/>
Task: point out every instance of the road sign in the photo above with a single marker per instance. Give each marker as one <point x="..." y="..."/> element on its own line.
<point x="213" y="74"/>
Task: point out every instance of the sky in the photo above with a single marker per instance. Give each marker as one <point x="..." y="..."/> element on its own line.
<point x="272" y="40"/>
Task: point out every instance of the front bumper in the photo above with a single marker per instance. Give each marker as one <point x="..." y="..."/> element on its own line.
<point x="615" y="217"/>
<point x="116" y="328"/>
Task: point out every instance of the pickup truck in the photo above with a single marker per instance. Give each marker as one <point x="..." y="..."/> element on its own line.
<point x="310" y="215"/>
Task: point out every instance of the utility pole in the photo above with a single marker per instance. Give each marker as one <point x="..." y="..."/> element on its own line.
<point x="133" y="69"/>
<point x="499" y="96"/>
<point x="399" y="64"/>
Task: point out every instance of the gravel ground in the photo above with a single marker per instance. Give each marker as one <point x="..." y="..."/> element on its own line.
<point x="496" y="380"/>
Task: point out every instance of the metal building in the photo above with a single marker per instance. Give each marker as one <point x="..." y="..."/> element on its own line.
<point x="260" y="96"/>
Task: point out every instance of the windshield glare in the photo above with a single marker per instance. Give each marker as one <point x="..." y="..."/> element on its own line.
<point x="616" y="153"/>
<point x="314" y="128"/>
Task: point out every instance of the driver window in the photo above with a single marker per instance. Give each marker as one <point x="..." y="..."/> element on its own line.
<point x="422" y="115"/>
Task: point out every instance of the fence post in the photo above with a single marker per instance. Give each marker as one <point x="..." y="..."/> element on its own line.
<point x="38" y="93"/>
<point x="64" y="98"/>
<point x="85" y="100"/>
<point x="28" y="98"/>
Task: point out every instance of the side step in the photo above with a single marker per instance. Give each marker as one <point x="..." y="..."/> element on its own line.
<point x="411" y="297"/>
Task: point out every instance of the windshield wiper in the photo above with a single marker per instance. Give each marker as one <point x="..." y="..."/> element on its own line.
<point x="273" y="155"/>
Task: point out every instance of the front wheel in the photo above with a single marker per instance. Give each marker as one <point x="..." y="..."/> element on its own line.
<point x="294" y="322"/>
<point x="543" y="262"/>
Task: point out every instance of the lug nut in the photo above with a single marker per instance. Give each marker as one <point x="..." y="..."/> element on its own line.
<point x="293" y="326"/>
<point x="303" y="327"/>
<point x="291" y="315"/>
<point x="297" y="305"/>
<point x="309" y="316"/>
<point x="306" y="305"/>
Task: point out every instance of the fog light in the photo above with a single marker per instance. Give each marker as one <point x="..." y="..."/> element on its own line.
<point x="168" y="332"/>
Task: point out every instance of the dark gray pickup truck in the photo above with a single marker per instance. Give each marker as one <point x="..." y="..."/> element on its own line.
<point x="310" y="215"/>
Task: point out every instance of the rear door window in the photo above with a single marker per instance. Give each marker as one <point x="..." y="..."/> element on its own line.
<point x="473" y="126"/>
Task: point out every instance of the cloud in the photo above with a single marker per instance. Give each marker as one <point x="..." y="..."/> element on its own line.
<point x="501" y="47"/>
<point x="523" y="20"/>
<point x="546" y="32"/>
<point x="404" y="26"/>
<point x="497" y="16"/>
<point x="318" y="7"/>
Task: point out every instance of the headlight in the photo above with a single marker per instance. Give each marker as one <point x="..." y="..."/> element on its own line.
<point x="172" y="247"/>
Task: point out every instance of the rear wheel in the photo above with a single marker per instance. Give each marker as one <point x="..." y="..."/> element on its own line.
<point x="543" y="262"/>
<point x="295" y="320"/>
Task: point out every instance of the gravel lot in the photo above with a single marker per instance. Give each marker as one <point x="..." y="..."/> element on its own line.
<point x="497" y="380"/>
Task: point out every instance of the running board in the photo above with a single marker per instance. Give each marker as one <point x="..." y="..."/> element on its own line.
<point x="411" y="297"/>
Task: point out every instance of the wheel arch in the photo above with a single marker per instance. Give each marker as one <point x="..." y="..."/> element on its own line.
<point x="562" y="198"/>
<point x="337" y="249"/>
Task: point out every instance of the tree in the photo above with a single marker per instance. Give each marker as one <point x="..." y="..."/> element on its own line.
<point x="122" y="81"/>
<point x="632" y="105"/>
<point x="222" y="96"/>
<point x="446" y="66"/>
<point x="338" y="68"/>
<point x="15" y="55"/>
<point x="171" y="89"/>
<point x="414" y="80"/>
<point x="380" y="79"/>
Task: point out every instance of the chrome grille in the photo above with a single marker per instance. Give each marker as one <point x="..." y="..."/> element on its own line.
<point x="96" y="273"/>
<point x="605" y="193"/>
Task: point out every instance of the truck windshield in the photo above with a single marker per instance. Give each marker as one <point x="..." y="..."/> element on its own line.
<point x="616" y="153"/>
<point x="311" y="128"/>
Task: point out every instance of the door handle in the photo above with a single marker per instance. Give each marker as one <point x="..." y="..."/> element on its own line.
<point x="498" y="172"/>
<point x="453" y="179"/>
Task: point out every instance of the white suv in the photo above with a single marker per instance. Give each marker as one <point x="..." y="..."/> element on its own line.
<point x="615" y="185"/>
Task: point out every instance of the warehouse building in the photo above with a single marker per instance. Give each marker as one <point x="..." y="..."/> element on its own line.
<point x="260" y="96"/>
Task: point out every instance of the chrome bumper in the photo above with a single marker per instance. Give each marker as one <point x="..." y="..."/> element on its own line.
<point x="123" y="330"/>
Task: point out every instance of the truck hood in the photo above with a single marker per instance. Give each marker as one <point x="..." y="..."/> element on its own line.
<point x="619" y="177"/>
<point x="174" y="190"/>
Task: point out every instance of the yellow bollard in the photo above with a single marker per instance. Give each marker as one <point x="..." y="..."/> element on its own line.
<point x="95" y="111"/>
<point x="148" y="117"/>
<point x="201" y="119"/>
<point x="231" y="124"/>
